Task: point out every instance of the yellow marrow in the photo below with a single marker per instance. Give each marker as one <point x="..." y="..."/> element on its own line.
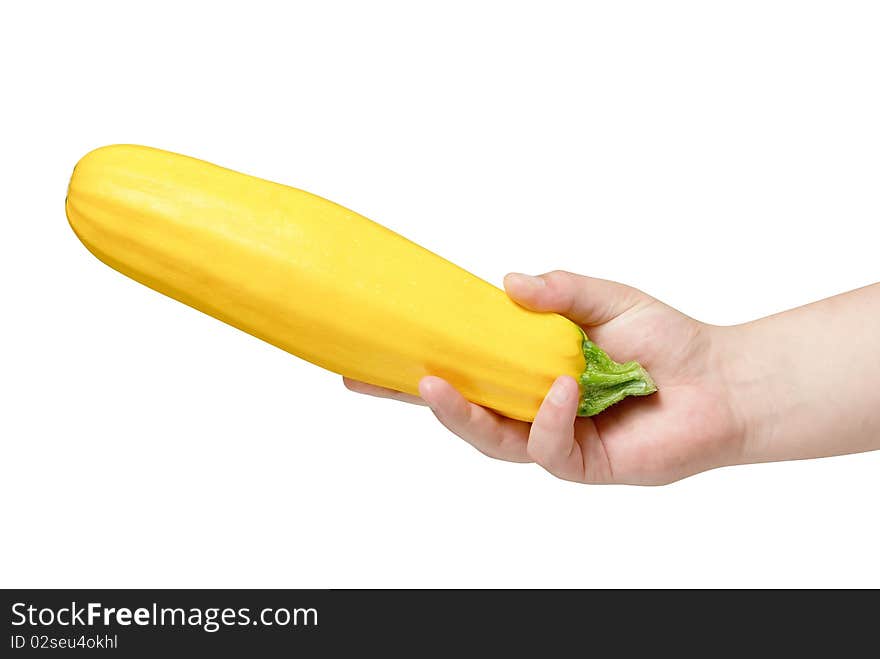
<point x="323" y="282"/>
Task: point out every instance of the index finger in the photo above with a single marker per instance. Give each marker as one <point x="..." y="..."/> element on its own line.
<point x="380" y="392"/>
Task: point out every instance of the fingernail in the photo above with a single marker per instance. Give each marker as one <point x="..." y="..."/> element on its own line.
<point x="558" y="394"/>
<point x="528" y="280"/>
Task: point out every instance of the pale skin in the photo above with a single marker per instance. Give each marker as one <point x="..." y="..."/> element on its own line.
<point x="804" y="383"/>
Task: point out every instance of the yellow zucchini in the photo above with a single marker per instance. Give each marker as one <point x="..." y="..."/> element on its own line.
<point x="327" y="284"/>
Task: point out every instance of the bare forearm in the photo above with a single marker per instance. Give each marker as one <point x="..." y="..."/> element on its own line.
<point x="807" y="381"/>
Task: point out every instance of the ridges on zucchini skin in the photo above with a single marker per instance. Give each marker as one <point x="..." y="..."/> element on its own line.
<point x="324" y="283"/>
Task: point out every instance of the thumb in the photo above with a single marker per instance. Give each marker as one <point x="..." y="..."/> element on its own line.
<point x="585" y="300"/>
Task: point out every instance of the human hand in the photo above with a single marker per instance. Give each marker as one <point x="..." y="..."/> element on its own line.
<point x="689" y="425"/>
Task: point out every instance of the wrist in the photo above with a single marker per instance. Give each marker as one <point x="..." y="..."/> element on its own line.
<point x="747" y="381"/>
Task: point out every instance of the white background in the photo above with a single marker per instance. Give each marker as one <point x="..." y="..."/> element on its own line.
<point x="724" y="157"/>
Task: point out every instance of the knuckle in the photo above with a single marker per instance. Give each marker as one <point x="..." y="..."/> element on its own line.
<point x="560" y="291"/>
<point x="541" y="453"/>
<point x="545" y="425"/>
<point x="557" y="278"/>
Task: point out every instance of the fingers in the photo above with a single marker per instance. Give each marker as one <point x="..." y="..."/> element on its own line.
<point x="552" y="441"/>
<point x="488" y="432"/>
<point x="380" y="392"/>
<point x="585" y="300"/>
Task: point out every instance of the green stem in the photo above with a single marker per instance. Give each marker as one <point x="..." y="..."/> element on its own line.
<point x="605" y="382"/>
